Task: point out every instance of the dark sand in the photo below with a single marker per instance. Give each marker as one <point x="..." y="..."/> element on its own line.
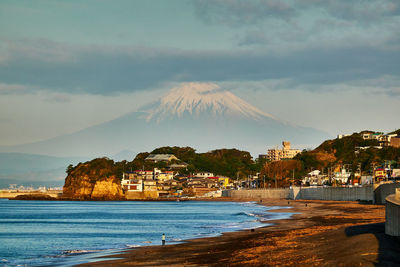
<point x="326" y="233"/>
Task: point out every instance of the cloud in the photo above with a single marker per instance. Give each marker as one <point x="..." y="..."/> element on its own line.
<point x="365" y="11"/>
<point x="114" y="70"/>
<point x="58" y="98"/>
<point x="289" y="25"/>
<point x="241" y="12"/>
<point x="6" y="89"/>
<point x="40" y="50"/>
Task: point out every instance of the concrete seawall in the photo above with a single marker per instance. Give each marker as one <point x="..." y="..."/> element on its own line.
<point x="392" y="225"/>
<point x="365" y="193"/>
<point x="258" y="193"/>
<point x="383" y="190"/>
<point x="376" y="193"/>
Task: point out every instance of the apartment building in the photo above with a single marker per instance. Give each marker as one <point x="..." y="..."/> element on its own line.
<point x="286" y="152"/>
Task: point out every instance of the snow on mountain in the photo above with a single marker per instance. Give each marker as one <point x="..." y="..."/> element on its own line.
<point x="197" y="98"/>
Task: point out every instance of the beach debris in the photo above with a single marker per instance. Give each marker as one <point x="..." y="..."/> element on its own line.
<point x="147" y="242"/>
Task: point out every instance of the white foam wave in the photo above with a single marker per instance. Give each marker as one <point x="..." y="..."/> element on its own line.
<point x="79" y="251"/>
<point x="132" y="246"/>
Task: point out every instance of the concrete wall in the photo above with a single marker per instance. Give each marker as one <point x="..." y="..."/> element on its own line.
<point x="258" y="193"/>
<point x="141" y="195"/>
<point x="392" y="224"/>
<point x="383" y="190"/>
<point x="364" y="193"/>
<point x="307" y="193"/>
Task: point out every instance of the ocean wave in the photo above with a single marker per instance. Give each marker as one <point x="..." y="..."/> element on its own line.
<point x="279" y="207"/>
<point x="79" y="251"/>
<point x="249" y="204"/>
<point x="243" y="213"/>
<point x="132" y="246"/>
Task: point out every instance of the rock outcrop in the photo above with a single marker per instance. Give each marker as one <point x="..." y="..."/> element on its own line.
<point x="93" y="180"/>
<point x="34" y="197"/>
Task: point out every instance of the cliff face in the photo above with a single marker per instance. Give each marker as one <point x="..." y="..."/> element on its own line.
<point x="94" y="180"/>
<point x="109" y="189"/>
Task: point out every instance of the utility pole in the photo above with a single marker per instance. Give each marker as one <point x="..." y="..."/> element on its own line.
<point x="293" y="178"/>
<point x="373" y="172"/>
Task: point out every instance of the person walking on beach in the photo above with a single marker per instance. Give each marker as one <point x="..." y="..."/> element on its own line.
<point x="163" y="239"/>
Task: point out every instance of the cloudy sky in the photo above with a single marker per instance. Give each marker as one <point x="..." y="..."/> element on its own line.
<point x="66" y="65"/>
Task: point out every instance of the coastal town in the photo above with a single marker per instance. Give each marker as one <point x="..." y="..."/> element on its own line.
<point x="172" y="179"/>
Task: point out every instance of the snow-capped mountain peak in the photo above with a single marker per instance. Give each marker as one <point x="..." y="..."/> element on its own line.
<point x="197" y="98"/>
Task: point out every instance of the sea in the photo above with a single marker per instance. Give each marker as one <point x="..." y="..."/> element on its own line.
<point x="66" y="233"/>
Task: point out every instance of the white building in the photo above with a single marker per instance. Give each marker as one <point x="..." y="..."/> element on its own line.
<point x="342" y="176"/>
<point x="131" y="182"/>
<point x="203" y="174"/>
<point x="161" y="157"/>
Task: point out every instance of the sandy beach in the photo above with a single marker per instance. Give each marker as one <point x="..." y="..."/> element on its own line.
<point x="326" y="233"/>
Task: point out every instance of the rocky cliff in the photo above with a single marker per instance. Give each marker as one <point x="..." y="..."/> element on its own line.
<point x="93" y="180"/>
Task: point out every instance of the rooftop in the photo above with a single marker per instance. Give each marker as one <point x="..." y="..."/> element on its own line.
<point x="161" y="157"/>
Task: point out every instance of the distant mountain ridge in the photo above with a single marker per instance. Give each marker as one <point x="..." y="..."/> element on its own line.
<point x="35" y="170"/>
<point x="199" y="115"/>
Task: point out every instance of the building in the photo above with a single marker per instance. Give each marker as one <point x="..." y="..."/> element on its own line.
<point x="380" y="174"/>
<point x="286" y="152"/>
<point x="340" y="136"/>
<point x="262" y="156"/>
<point x="203" y="174"/>
<point x="182" y="165"/>
<point x="131" y="182"/>
<point x="395" y="141"/>
<point x="385" y="140"/>
<point x="141" y="180"/>
<point x="145" y="175"/>
<point x="149" y="185"/>
<point x="371" y="135"/>
<point x="161" y="157"/>
<point x="164" y="176"/>
<point x="341" y="175"/>
<point x="224" y="181"/>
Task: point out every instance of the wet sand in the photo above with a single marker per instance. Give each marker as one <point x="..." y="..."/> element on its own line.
<point x="326" y="233"/>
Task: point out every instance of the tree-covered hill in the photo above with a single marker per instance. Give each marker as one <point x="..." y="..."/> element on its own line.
<point x="353" y="150"/>
<point x="226" y="162"/>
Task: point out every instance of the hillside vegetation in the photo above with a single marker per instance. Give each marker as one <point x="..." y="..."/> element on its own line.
<point x="346" y="151"/>
<point x="329" y="155"/>
<point x="225" y="162"/>
<point x="235" y="163"/>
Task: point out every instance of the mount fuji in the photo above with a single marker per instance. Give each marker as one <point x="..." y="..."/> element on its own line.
<point x="200" y="115"/>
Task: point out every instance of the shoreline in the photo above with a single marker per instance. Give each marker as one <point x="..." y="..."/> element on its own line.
<point x="320" y="232"/>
